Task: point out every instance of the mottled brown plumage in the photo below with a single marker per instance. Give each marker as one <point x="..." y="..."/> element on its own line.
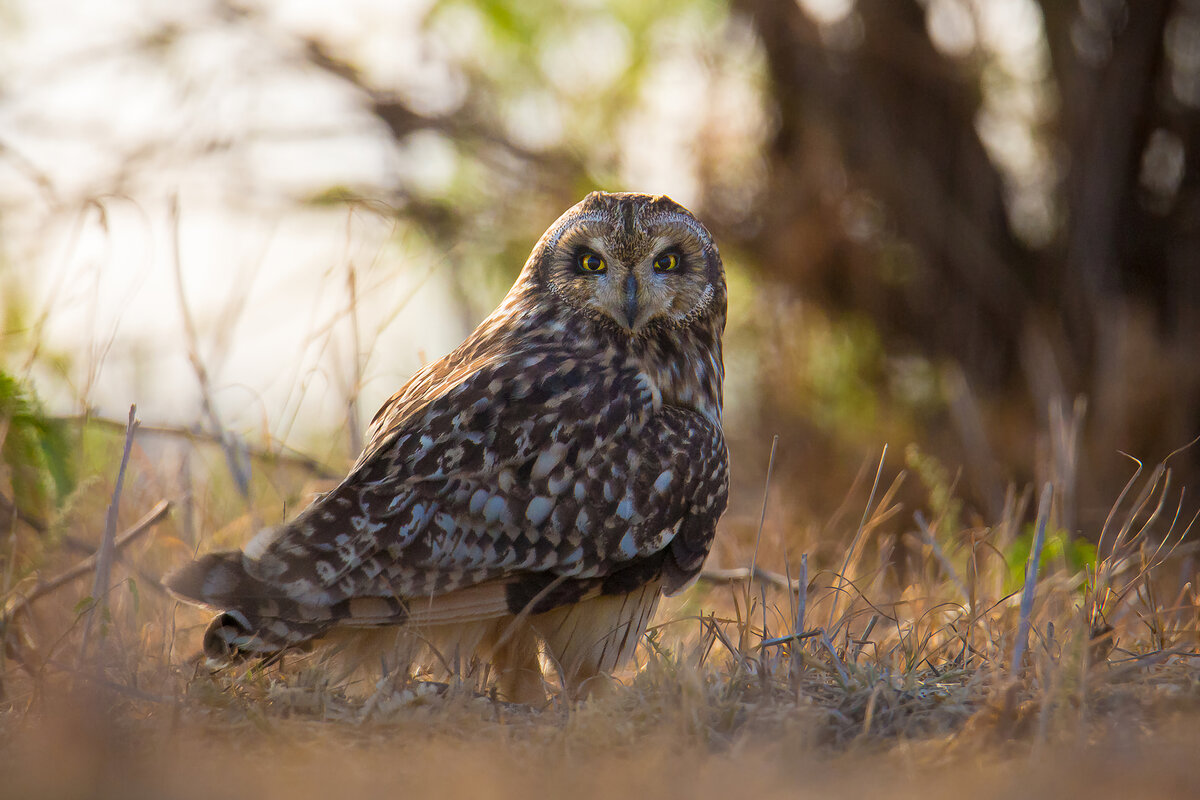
<point x="545" y="481"/>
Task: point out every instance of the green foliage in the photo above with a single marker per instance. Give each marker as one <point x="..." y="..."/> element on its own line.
<point x="515" y="23"/>
<point x="333" y="196"/>
<point x="1059" y="547"/>
<point x="841" y="363"/>
<point x="134" y="594"/>
<point x="36" y="451"/>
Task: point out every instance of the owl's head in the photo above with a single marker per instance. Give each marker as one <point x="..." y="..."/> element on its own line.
<point x="636" y="261"/>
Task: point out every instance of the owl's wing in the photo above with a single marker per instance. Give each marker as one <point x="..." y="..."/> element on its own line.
<point x="531" y="484"/>
<point x="539" y="464"/>
<point x="642" y="510"/>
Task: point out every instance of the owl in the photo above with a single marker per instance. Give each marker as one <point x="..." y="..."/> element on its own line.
<point x="527" y="498"/>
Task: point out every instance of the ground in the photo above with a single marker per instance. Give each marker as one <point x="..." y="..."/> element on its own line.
<point x="896" y="670"/>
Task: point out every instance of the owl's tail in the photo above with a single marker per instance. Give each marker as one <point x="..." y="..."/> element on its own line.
<point x="256" y="620"/>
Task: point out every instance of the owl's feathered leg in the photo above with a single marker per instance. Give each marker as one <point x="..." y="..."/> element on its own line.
<point x="512" y="648"/>
<point x="590" y="640"/>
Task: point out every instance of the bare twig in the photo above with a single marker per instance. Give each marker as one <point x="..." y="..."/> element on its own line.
<point x="766" y="493"/>
<point x="352" y="391"/>
<point x="864" y="638"/>
<point x="740" y="574"/>
<point x="795" y="662"/>
<point x="104" y="555"/>
<point x="837" y="662"/>
<point x="267" y="454"/>
<point x="233" y="452"/>
<point x="1031" y="576"/>
<point x="1130" y="666"/>
<point x="775" y="641"/>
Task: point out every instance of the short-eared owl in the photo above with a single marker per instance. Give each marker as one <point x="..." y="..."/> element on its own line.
<point x="538" y="487"/>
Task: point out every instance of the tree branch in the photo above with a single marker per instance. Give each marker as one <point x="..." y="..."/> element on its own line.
<point x="148" y="521"/>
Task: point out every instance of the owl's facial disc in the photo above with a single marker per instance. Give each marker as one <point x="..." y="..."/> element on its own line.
<point x="637" y="279"/>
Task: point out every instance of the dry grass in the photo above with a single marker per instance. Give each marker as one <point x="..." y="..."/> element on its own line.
<point x="899" y="675"/>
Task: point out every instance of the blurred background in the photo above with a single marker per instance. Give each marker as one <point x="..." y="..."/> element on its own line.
<point x="965" y="229"/>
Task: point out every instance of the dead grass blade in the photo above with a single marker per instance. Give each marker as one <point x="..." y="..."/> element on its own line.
<point x="104" y="556"/>
<point x="1031" y="577"/>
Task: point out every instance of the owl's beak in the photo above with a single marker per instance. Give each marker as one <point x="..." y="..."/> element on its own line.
<point x="631" y="308"/>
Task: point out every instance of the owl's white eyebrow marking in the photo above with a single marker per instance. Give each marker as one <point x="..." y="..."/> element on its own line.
<point x="597" y="244"/>
<point x="691" y="224"/>
<point x="591" y="216"/>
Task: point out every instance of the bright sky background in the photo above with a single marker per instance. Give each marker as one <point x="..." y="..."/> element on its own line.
<point x="80" y="102"/>
<point x="90" y="242"/>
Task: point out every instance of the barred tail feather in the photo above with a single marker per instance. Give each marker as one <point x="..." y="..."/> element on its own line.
<point x="255" y="620"/>
<point x="217" y="580"/>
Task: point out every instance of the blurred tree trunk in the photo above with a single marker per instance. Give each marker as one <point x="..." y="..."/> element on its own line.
<point x="903" y="118"/>
<point x="871" y="112"/>
<point x="1113" y="245"/>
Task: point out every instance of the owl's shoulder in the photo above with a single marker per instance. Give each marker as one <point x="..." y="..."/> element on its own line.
<point x="541" y="371"/>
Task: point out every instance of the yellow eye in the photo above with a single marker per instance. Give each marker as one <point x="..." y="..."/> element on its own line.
<point x="666" y="262"/>
<point x="590" y="262"/>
